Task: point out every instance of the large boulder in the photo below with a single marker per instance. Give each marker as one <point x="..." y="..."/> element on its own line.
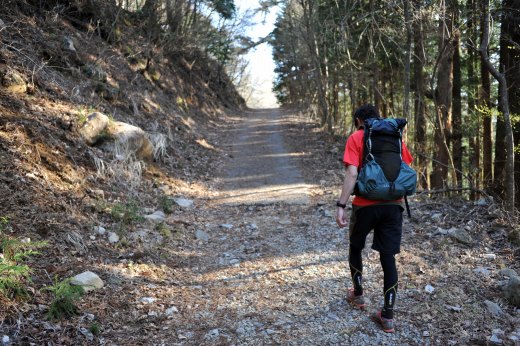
<point x="94" y="128"/>
<point x="129" y="138"/>
<point x="132" y="138"/>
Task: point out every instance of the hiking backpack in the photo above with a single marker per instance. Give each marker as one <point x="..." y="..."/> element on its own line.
<point x="384" y="175"/>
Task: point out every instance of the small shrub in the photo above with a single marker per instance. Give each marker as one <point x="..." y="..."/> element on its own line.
<point x="65" y="298"/>
<point x="95" y="328"/>
<point x="167" y="205"/>
<point x="14" y="273"/>
<point x="4" y="223"/>
<point x="126" y="214"/>
<point x="164" y="230"/>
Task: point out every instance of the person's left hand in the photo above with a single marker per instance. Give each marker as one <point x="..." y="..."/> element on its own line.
<point x="341" y="218"/>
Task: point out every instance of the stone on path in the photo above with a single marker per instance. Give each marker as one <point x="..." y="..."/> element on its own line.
<point x="157" y="217"/>
<point x="493" y="308"/>
<point x="183" y="202"/>
<point x="113" y="237"/>
<point x="512" y="291"/>
<point x="88" y="280"/>
<point x="460" y="235"/>
<point x="201" y="235"/>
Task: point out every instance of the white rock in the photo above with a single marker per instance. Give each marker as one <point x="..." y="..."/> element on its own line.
<point x="226" y="226"/>
<point x="25" y="240"/>
<point x="454" y="308"/>
<point x="113" y="237"/>
<point x="495" y="340"/>
<point x="86" y="333"/>
<point x="157" y="217"/>
<point x="482" y="271"/>
<point x="493" y="308"/>
<point x="171" y="310"/>
<point x="429" y="288"/>
<point x="92" y="237"/>
<point x="100" y="230"/>
<point x="426" y="333"/>
<point x="490" y="256"/>
<point x="253" y="226"/>
<point x="88" y="280"/>
<point x="183" y="202"/>
<point x="147" y="300"/>
<point x="201" y="235"/>
<point x="5" y="338"/>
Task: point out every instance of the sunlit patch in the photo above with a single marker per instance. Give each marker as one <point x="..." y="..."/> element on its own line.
<point x="205" y="144"/>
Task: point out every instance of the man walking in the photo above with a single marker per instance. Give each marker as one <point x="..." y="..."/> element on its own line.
<point x="384" y="217"/>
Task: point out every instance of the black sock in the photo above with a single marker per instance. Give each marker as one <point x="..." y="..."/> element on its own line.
<point x="390" y="284"/>
<point x="356" y="269"/>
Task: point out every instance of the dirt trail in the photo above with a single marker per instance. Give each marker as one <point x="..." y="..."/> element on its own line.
<point x="262" y="170"/>
<point x="274" y="269"/>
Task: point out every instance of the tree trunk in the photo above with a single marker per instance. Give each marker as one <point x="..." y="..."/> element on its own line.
<point x="457" y="103"/>
<point x="407" y="58"/>
<point x="443" y="98"/>
<point x="472" y="117"/>
<point x="419" y="104"/>
<point x="485" y="104"/>
<point x="504" y="105"/>
<point x="499" y="164"/>
<point x="511" y="34"/>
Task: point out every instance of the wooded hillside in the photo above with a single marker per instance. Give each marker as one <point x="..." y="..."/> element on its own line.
<point x="450" y="67"/>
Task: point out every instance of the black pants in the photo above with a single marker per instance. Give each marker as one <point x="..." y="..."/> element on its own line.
<point x="386" y="221"/>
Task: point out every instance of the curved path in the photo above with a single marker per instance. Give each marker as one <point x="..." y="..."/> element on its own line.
<point x="262" y="170"/>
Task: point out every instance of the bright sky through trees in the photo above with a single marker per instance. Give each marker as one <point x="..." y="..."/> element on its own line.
<point x="261" y="64"/>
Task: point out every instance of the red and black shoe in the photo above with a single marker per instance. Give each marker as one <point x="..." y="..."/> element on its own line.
<point x="386" y="323"/>
<point x="357" y="301"/>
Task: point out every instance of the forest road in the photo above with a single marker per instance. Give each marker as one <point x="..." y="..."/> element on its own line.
<point x="261" y="170"/>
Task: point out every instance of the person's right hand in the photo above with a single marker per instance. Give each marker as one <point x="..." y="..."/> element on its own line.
<point x="341" y="218"/>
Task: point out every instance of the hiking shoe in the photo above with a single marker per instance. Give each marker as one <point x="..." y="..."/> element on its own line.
<point x="386" y="323"/>
<point x="357" y="301"/>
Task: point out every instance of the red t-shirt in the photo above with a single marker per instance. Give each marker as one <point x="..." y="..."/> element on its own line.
<point x="354" y="156"/>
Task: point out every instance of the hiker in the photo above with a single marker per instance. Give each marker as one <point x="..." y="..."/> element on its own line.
<point x="383" y="216"/>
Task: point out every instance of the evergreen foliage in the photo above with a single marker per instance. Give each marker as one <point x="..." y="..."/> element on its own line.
<point x="14" y="272"/>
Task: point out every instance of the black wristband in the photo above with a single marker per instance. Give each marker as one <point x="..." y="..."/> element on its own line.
<point x="338" y="204"/>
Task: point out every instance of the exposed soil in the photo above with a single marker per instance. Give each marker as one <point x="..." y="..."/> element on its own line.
<point x="261" y="169"/>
